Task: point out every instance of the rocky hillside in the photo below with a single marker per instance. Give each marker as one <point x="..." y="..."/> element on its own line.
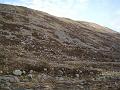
<point x="34" y="40"/>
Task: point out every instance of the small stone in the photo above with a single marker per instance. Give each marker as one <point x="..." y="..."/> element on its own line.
<point x="23" y="72"/>
<point x="17" y="72"/>
<point x="57" y="78"/>
<point x="77" y="75"/>
<point x="60" y="72"/>
<point x="48" y="87"/>
<point x="25" y="80"/>
<point x="80" y="71"/>
<point x="52" y="68"/>
<point x="31" y="71"/>
<point x="30" y="76"/>
<point x="43" y="77"/>
<point x="91" y="73"/>
<point x="45" y="69"/>
<point x="61" y="78"/>
<point x="82" y="82"/>
<point x="1" y="72"/>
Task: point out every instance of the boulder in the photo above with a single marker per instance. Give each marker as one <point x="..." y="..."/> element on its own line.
<point x="14" y="79"/>
<point x="4" y="83"/>
<point x="9" y="78"/>
<point x="17" y="72"/>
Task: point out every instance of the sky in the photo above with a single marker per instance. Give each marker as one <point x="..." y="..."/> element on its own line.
<point x="103" y="12"/>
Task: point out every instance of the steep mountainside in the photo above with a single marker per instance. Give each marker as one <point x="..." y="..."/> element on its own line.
<point x="31" y="39"/>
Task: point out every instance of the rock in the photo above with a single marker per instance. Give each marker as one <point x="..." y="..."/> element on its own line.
<point x="43" y="77"/>
<point x="4" y="83"/>
<point x="59" y="78"/>
<point x="40" y="77"/>
<point x="24" y="72"/>
<point x="31" y="71"/>
<point x="60" y="72"/>
<point x="14" y="79"/>
<point x="28" y="89"/>
<point x="30" y="76"/>
<point x="83" y="82"/>
<point x="45" y="69"/>
<point x="77" y="75"/>
<point x="48" y="87"/>
<point x="80" y="71"/>
<point x="25" y="80"/>
<point x="5" y="88"/>
<point x="52" y="68"/>
<point x="17" y="72"/>
<point x="1" y="72"/>
<point x="20" y="88"/>
<point x="10" y="78"/>
<point x="92" y="73"/>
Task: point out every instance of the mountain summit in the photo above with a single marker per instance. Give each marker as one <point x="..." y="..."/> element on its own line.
<point x="34" y="40"/>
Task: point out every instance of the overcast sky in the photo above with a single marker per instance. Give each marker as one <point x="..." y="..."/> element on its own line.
<point x="103" y="12"/>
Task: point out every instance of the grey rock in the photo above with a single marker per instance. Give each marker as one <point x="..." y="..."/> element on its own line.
<point x="25" y="80"/>
<point x="4" y="83"/>
<point x="77" y="75"/>
<point x="20" y="88"/>
<point x="61" y="78"/>
<point x="1" y="72"/>
<point x="14" y="79"/>
<point x="43" y="77"/>
<point x="17" y="72"/>
<point x="31" y="71"/>
<point x="5" y="88"/>
<point x="29" y="89"/>
<point x="83" y="82"/>
<point x="24" y="72"/>
<point x="30" y="76"/>
<point x="45" y="69"/>
<point x="9" y="78"/>
<point x="60" y="72"/>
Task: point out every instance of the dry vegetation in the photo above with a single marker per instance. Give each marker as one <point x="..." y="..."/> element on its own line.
<point x="34" y="40"/>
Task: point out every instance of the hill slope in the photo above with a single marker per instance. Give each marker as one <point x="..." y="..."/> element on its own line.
<point x="31" y="39"/>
